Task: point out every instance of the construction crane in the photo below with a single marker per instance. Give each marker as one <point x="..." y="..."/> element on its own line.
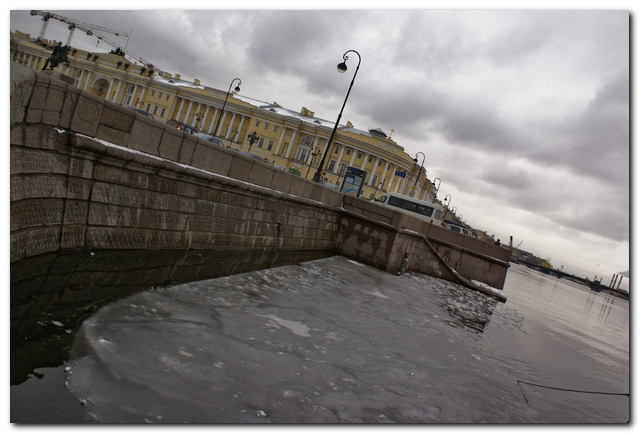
<point x="73" y="24"/>
<point x="90" y="30"/>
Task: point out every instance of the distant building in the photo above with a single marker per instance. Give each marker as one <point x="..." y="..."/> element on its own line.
<point x="287" y="138"/>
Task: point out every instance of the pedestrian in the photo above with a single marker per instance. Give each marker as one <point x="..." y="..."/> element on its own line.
<point x="405" y="264"/>
<point x="497" y="243"/>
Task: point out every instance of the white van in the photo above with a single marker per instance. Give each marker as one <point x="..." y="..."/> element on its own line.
<point x="426" y="211"/>
<point x="459" y="229"/>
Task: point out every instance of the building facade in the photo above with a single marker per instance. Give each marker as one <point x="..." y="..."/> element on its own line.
<point x="294" y="140"/>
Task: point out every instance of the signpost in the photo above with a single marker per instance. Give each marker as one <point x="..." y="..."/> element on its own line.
<point x="353" y="181"/>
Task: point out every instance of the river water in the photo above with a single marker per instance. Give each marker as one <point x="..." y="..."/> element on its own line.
<point x="334" y="341"/>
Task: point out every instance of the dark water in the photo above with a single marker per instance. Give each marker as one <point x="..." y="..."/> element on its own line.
<point x="335" y="341"/>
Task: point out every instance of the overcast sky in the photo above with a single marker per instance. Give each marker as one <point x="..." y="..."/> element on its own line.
<point x="522" y="114"/>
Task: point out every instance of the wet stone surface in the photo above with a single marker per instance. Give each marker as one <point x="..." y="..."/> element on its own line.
<point x="330" y="340"/>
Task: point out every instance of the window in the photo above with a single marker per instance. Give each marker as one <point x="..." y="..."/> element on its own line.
<point x="155" y="110"/>
<point x="148" y="108"/>
<point x="411" y="206"/>
<point x="379" y="163"/>
<point x="127" y="100"/>
<point x="302" y="154"/>
<point x="359" y="156"/>
<point x="266" y="125"/>
<point x="257" y="123"/>
<point x="374" y="180"/>
<point x="348" y="151"/>
<point x="336" y="149"/>
<point x="167" y="98"/>
<point x="129" y="89"/>
<point x="162" y="112"/>
<point x="332" y="165"/>
<point x="275" y="128"/>
<point x="370" y="159"/>
<point x="261" y="142"/>
<point x="159" y="94"/>
<point x="270" y="145"/>
<point x="153" y="92"/>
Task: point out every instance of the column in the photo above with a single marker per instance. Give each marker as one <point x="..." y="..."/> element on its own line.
<point x="370" y="175"/>
<point x="194" y="122"/>
<point x="313" y="149"/>
<point x="233" y="119"/>
<point x="364" y="160"/>
<point x="353" y="156"/>
<point x="86" y="83"/>
<point x="242" y="119"/>
<point x="173" y="107"/>
<point x="204" y="118"/>
<point x="337" y="166"/>
<point x="280" y="140"/>
<point x="222" y="116"/>
<point x="115" y="95"/>
<point x="291" y="143"/>
<point x="214" y="119"/>
<point x="143" y="92"/>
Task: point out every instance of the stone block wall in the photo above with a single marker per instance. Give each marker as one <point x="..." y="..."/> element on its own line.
<point x="88" y="174"/>
<point x="380" y="236"/>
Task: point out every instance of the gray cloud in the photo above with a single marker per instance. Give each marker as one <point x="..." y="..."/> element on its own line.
<point x="527" y="110"/>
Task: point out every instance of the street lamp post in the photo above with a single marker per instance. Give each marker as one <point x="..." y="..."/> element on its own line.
<point x="342" y="67"/>
<point x="199" y="117"/>
<point x="421" y="166"/>
<point x="237" y="89"/>
<point x="314" y="154"/>
<point x="253" y="137"/>
<point x="438" y="188"/>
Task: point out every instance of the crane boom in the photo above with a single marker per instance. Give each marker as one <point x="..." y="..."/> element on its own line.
<point x="46" y="16"/>
<point x="90" y="30"/>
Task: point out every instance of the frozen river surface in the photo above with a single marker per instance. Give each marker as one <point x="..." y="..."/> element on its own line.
<point x="329" y="341"/>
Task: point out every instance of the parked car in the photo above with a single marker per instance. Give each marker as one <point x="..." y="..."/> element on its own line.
<point x="255" y="156"/>
<point x="136" y="109"/>
<point x="182" y="126"/>
<point x="209" y="138"/>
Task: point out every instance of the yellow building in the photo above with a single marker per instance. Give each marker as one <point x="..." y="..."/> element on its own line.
<point x="294" y="140"/>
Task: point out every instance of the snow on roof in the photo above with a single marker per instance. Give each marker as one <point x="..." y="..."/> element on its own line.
<point x="274" y="108"/>
<point x="176" y="82"/>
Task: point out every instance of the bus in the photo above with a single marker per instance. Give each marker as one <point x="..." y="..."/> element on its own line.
<point x="426" y="211"/>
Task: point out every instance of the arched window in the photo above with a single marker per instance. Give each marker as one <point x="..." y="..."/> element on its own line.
<point x="306" y="145"/>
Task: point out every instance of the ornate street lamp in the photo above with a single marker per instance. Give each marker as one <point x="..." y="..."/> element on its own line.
<point x="253" y="137"/>
<point x="199" y="117"/>
<point x="447" y="198"/>
<point x="342" y="67"/>
<point x="438" y="188"/>
<point x="314" y="154"/>
<point x="421" y="166"/>
<point x="237" y="89"/>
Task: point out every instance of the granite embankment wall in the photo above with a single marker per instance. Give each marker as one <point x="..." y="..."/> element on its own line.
<point x="87" y="174"/>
